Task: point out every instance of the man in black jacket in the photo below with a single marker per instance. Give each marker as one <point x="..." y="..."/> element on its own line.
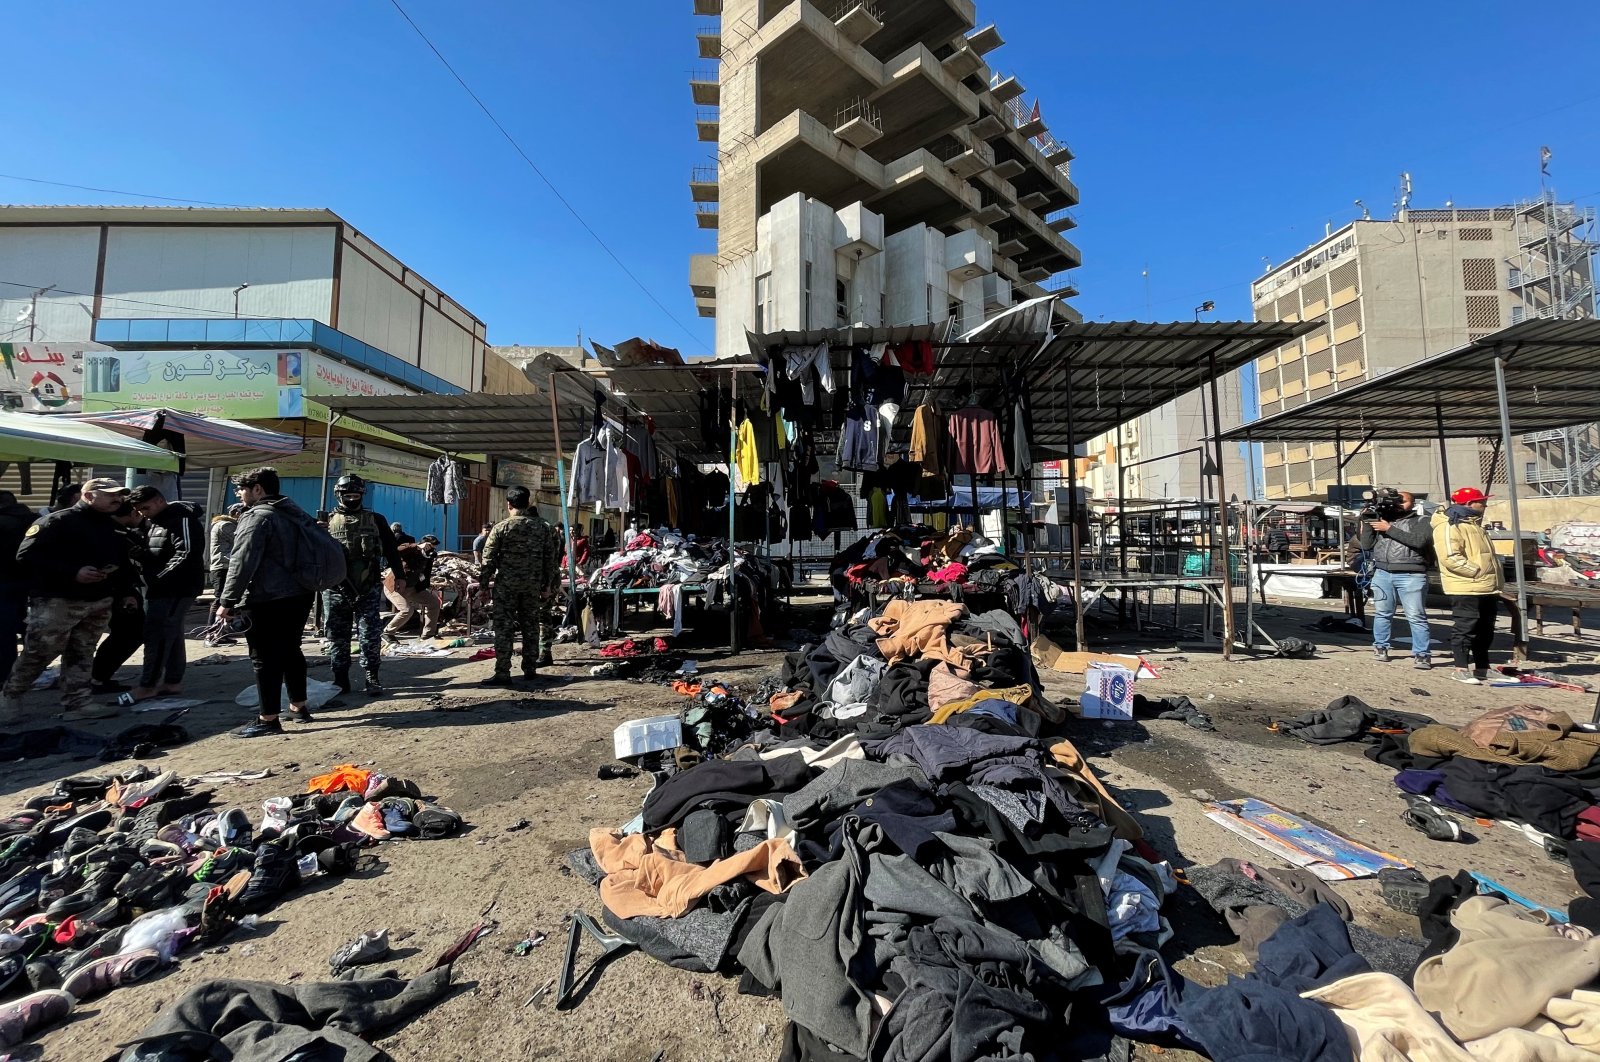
<point x="76" y="565"/>
<point x="176" y="539"/>
<point x="15" y="519"/>
<point x="262" y="579"/>
<point x="1399" y="547"/>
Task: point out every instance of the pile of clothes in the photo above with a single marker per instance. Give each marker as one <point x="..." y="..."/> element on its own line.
<point x="944" y="892"/>
<point x="660" y="558"/>
<point x="920" y="560"/>
<point x="1494" y="980"/>
<point x="108" y="879"/>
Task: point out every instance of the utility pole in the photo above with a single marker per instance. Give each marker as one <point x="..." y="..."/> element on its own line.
<point x="33" y="310"/>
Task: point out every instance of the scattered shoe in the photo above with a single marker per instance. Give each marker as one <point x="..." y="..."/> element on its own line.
<point x="101" y="976"/>
<point x="397" y="812"/>
<point x="1431" y="821"/>
<point x="369" y="947"/>
<point x="138" y="794"/>
<point x="274" y="873"/>
<point x="30" y="1014"/>
<point x="435" y="822"/>
<point x="386" y="787"/>
<point x="260" y="728"/>
<point x="369" y="820"/>
<point x="228" y="830"/>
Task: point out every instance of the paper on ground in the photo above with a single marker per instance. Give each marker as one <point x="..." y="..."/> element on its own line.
<point x="1286" y="835"/>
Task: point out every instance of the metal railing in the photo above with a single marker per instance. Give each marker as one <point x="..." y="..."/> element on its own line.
<point x="863" y="109"/>
<point x="846" y="6"/>
<point x="703" y="175"/>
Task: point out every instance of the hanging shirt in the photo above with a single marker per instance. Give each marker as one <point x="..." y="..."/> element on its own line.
<point x="435" y="491"/>
<point x="928" y="440"/>
<point x="915" y="357"/>
<point x="452" y="481"/>
<point x="858" y="442"/>
<point x="802" y="362"/>
<point x="975" y="442"/>
<point x="618" y="487"/>
<point x="588" y="474"/>
<point x="746" y="458"/>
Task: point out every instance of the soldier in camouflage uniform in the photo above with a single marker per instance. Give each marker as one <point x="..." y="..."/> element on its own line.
<point x="521" y="561"/>
<point x="368" y="545"/>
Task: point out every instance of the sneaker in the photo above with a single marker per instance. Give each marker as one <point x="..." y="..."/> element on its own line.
<point x="1380" y="653"/>
<point x="498" y="680"/>
<point x="89" y="713"/>
<point x="1461" y="674"/>
<point x="229" y="829"/>
<point x="1422" y="663"/>
<point x="260" y="728"/>
<point x="31" y="1014"/>
<point x="138" y="794"/>
<point x="274" y="873"/>
<point x="369" y="947"/>
<point x="397" y="812"/>
<point x="114" y="971"/>
<point x="1431" y="821"/>
<point x="369" y="820"/>
<point x="298" y="714"/>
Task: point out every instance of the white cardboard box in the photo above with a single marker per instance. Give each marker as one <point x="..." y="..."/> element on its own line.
<point x="1108" y="692"/>
<point x="655" y="734"/>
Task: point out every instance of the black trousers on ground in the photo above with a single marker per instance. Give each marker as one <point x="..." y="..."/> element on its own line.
<point x="276" y="628"/>
<point x="1472" y="632"/>
<point x="123" y="636"/>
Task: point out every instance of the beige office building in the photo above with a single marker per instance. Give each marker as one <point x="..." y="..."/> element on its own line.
<point x="869" y="163"/>
<point x="1388" y="293"/>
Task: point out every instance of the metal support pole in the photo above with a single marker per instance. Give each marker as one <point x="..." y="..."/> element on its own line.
<point x="1444" y="458"/>
<point x="1072" y="513"/>
<point x="1494" y="462"/>
<point x="1122" y="501"/>
<point x="327" y="458"/>
<point x="1223" y="514"/>
<point x="1250" y="562"/>
<point x="733" y="537"/>
<point x="561" y="485"/>
<point x="1511" y="489"/>
<point x="1338" y="479"/>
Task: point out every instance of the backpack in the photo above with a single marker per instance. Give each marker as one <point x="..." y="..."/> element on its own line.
<point x="359" y="537"/>
<point x="319" y="561"/>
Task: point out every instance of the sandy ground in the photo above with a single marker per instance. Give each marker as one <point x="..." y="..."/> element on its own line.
<point x="520" y="766"/>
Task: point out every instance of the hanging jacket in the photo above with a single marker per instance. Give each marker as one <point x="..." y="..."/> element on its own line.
<point x="928" y="440"/>
<point x="176" y="543"/>
<point x="975" y="442"/>
<point x="746" y="459"/>
<point x="588" y="474"/>
<point x="1468" y="563"/>
<point x="801" y="362"/>
<point x="618" y="482"/>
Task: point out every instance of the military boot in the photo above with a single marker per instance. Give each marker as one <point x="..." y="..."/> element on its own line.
<point x="341" y="678"/>
<point x="373" y="685"/>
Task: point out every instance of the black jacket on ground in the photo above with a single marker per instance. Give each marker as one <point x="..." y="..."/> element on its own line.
<point x="62" y="542"/>
<point x="177" y="543"/>
<point x="15" y="519"/>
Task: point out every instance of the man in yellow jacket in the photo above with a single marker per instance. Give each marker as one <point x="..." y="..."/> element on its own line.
<point x="1469" y="570"/>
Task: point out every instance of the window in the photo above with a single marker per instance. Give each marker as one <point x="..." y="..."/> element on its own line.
<point x="805" y="303"/>
<point x="1531" y="474"/>
<point x="841" y="296"/>
<point x="955" y="311"/>
<point x="763" y="301"/>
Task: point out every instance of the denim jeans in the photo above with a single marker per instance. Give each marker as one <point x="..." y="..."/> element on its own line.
<point x="1409" y="591"/>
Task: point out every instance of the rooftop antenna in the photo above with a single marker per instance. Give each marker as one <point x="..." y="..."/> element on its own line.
<point x="1366" y="215"/>
<point x="1405" y="191"/>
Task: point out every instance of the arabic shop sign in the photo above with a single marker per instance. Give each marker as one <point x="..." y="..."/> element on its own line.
<point x="42" y="377"/>
<point x="238" y="384"/>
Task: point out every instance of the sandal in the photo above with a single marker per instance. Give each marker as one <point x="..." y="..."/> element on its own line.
<point x="1431" y="821"/>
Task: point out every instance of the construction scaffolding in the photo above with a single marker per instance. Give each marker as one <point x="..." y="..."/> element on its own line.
<point x="1553" y="275"/>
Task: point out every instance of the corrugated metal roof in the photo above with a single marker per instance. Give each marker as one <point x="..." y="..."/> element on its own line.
<point x="1552" y="381"/>
<point x="18" y="214"/>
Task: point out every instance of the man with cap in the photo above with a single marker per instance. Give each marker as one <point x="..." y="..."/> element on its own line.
<point x="1469" y="570"/>
<point x="77" y="566"/>
<point x="520" y="561"/>
<point x="368" y="544"/>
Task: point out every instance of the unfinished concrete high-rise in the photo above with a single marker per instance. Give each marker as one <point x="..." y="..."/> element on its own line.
<point x="871" y="167"/>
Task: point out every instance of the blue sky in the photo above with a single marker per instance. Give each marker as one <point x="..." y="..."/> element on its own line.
<point x="1208" y="136"/>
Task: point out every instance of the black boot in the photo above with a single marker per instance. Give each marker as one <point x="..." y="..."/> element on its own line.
<point x="341" y="678"/>
<point x="373" y="685"/>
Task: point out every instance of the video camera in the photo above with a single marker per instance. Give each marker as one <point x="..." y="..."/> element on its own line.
<point x="1384" y="503"/>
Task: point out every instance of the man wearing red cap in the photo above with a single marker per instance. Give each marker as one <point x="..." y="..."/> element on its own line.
<point x="1469" y="570"/>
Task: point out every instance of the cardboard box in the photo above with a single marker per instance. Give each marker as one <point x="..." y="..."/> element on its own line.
<point x="639" y="736"/>
<point x="1048" y="654"/>
<point x="1108" y="692"/>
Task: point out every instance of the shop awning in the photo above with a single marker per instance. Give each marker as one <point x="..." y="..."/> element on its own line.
<point x="1552" y="381"/>
<point x="209" y="442"/>
<point x="39" y="437"/>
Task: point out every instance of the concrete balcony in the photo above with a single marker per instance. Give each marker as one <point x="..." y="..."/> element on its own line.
<point x="859" y="125"/>
<point x="1006" y="89"/>
<point x="1013" y="247"/>
<point x="705" y="87"/>
<point x="1031" y="127"/>
<point x="962" y="153"/>
<point x="703" y="276"/>
<point x="801" y="154"/>
<point x="930" y="22"/>
<point x="918" y="187"/>
<point x="985" y="40"/>
<point x="920" y="102"/>
<point x="963" y="63"/>
<point x="1046" y="247"/>
<point x="859" y="20"/>
<point x="1036" y="275"/>
<point x="1060" y="220"/>
<point x="709" y="37"/>
<point x="863" y="232"/>
<point x="703" y="186"/>
<point x="808" y="64"/>
<point x="1059" y="155"/>
<point x="705" y="215"/>
<point x="988" y="128"/>
<point x="1009" y="168"/>
<point x="1033" y="201"/>
<point x="708" y="124"/>
<point x="1036" y="173"/>
<point x="708" y="7"/>
<point x="705" y="307"/>
<point x="990" y="210"/>
<point x="1003" y="190"/>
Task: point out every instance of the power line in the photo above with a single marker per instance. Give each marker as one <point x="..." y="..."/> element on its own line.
<point x="540" y="173"/>
<point x="133" y="302"/>
<point x="114" y="191"/>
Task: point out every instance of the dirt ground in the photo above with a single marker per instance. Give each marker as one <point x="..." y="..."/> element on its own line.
<point x="520" y="766"/>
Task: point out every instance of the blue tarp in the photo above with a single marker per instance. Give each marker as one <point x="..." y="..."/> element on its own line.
<point x="988" y="498"/>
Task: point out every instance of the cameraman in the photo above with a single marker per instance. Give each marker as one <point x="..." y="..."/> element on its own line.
<point x="1399" y="540"/>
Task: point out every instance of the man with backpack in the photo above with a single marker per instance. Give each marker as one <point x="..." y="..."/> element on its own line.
<point x="369" y="544"/>
<point x="280" y="559"/>
<point x="1400" y="542"/>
